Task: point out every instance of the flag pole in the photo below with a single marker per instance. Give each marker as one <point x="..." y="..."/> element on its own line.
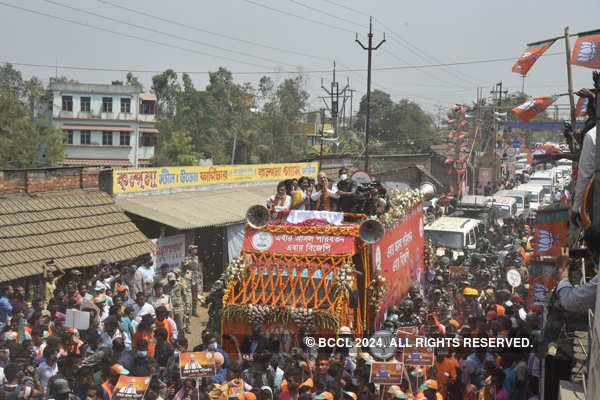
<point x="570" y="75"/>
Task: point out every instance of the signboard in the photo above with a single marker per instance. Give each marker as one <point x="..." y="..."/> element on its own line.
<point x="197" y="364"/>
<point x="156" y="179"/>
<point x="485" y="175"/>
<point x="130" y="387"/>
<point x="361" y="177"/>
<point x="171" y="250"/>
<point x="513" y="277"/>
<point x="386" y="373"/>
<point x="516" y="144"/>
<point x="283" y="243"/>
<point x="550" y="232"/>
<point x="398" y="256"/>
<point x="417" y="355"/>
<point x="76" y="319"/>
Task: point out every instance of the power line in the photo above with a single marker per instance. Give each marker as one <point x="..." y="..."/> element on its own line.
<point x="146" y="40"/>
<point x="320" y="11"/>
<point x="233" y="38"/>
<point x="165" y="33"/>
<point x="319" y="71"/>
<point x="299" y="16"/>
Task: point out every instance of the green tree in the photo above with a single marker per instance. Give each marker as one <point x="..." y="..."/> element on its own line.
<point x="167" y="88"/>
<point x="381" y="107"/>
<point x="33" y="90"/>
<point x="32" y="144"/>
<point x="134" y="81"/>
<point x="180" y="150"/>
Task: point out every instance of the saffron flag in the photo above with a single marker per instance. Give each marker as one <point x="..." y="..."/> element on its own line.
<point x="586" y="52"/>
<point x="451" y="121"/>
<point x="462" y="110"/>
<point x="533" y="107"/>
<point x="581" y="107"/>
<point x="550" y="232"/>
<point x="529" y="57"/>
<point x="449" y="160"/>
<point x="462" y="123"/>
<point x="461" y="135"/>
<point x="545" y="149"/>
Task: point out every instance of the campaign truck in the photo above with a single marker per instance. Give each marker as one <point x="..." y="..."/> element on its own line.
<point x="322" y="270"/>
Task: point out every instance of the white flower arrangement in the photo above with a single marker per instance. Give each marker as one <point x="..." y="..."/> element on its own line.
<point x="401" y="204"/>
<point x="345" y="280"/>
<point x="377" y="291"/>
<point x="234" y="271"/>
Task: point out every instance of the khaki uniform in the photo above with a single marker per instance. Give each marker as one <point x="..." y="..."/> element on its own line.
<point x="180" y="302"/>
<point x="191" y="263"/>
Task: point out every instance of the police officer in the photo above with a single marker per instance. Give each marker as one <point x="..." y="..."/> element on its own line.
<point x="408" y="317"/>
<point x="191" y="263"/>
<point x="179" y="301"/>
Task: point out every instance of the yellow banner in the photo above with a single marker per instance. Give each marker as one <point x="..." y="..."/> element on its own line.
<point x="155" y="179"/>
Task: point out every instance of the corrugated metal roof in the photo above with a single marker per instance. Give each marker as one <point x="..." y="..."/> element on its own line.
<point x="76" y="228"/>
<point x="190" y="210"/>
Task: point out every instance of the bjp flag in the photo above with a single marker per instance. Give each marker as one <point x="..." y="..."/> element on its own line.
<point x="533" y="107"/>
<point x="550" y="232"/>
<point x="581" y="107"/>
<point x="586" y="52"/>
<point x="529" y="57"/>
<point x="451" y="121"/>
<point x="545" y="149"/>
<point x="462" y="123"/>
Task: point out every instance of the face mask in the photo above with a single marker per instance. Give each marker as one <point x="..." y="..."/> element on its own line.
<point x="390" y="330"/>
<point x="343" y="177"/>
<point x="143" y="353"/>
<point x="212" y="347"/>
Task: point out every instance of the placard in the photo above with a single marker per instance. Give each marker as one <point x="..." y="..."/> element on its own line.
<point x="76" y="319"/>
<point x="513" y="277"/>
<point x="416" y="355"/>
<point x="197" y="364"/>
<point x="387" y="373"/>
<point x="130" y="387"/>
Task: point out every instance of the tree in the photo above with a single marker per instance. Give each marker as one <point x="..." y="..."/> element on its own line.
<point x="180" y="150"/>
<point x="32" y="93"/>
<point x="134" y="81"/>
<point x="32" y="144"/>
<point x="381" y="106"/>
<point x="166" y="87"/>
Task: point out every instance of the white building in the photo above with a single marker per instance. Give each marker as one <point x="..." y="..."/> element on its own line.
<point x="107" y="125"/>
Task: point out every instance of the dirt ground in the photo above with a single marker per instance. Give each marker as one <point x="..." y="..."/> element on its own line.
<point x="198" y="324"/>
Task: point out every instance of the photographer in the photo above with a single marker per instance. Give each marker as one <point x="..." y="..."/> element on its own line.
<point x="584" y="297"/>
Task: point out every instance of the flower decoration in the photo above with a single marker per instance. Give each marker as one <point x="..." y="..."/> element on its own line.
<point x="377" y="291"/>
<point x="401" y="204"/>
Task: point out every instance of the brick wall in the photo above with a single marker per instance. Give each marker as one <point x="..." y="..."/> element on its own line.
<point x="48" y="180"/>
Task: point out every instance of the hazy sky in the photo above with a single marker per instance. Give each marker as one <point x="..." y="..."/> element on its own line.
<point x="417" y="33"/>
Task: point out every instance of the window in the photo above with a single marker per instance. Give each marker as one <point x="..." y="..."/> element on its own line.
<point x="147" y="107"/>
<point x="85" y="104"/>
<point x="148" y="140"/>
<point x="86" y="137"/>
<point x="125" y="105"/>
<point x="67" y="103"/>
<point x="107" y="138"/>
<point x="107" y="104"/>
<point x="124" y="139"/>
<point x="69" y="138"/>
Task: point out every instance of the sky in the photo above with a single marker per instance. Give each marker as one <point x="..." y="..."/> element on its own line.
<point x="278" y="38"/>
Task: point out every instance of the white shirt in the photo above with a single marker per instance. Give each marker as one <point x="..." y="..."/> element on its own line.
<point x="173" y="329"/>
<point x="333" y="193"/>
<point x="45" y="372"/>
<point x="139" y="312"/>
<point x="275" y="199"/>
<point x="302" y="203"/>
<point x="586" y="168"/>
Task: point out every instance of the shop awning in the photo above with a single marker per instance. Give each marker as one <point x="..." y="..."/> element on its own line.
<point x="191" y="210"/>
<point x="77" y="228"/>
<point x="148" y="96"/>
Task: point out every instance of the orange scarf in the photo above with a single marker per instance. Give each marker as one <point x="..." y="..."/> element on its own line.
<point x="325" y="195"/>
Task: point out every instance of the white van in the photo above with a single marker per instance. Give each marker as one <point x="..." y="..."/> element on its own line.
<point x="544" y="178"/>
<point x="521" y="196"/>
<point x="536" y="195"/>
<point x="454" y="232"/>
<point x="506" y="207"/>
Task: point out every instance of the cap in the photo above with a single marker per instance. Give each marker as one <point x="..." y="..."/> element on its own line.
<point x="344" y="330"/>
<point x="418" y="372"/>
<point x="192" y="247"/>
<point x="118" y="369"/>
<point x="454" y="323"/>
<point x="171" y="277"/>
<point x="76" y="272"/>
<point x="491" y="315"/>
<point x="393" y="388"/>
<point x="121" y="288"/>
<point x="351" y="395"/>
<point x="429" y="384"/>
<point x="324" y="396"/>
<point x="400" y="395"/>
<point x="99" y="286"/>
<point x="470" y="292"/>
<point x="59" y="386"/>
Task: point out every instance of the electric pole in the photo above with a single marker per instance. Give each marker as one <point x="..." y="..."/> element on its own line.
<point x="369" y="49"/>
<point x="334" y="94"/>
<point x="351" y="108"/>
<point x="497" y="91"/>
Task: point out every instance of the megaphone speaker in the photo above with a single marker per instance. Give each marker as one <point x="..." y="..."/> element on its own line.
<point x="371" y="231"/>
<point x="257" y="216"/>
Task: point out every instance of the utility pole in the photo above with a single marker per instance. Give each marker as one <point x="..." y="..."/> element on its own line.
<point x="497" y="91"/>
<point x="351" y="108"/>
<point x="523" y="83"/>
<point x="334" y="94"/>
<point x="322" y="129"/>
<point x="369" y="49"/>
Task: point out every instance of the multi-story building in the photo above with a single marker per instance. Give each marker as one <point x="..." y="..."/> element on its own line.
<point x="106" y="125"/>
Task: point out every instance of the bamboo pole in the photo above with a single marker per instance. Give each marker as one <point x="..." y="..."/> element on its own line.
<point x="570" y="75"/>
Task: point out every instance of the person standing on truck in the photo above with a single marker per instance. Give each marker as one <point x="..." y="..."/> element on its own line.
<point x="323" y="196"/>
<point x="280" y="201"/>
<point x="346" y="190"/>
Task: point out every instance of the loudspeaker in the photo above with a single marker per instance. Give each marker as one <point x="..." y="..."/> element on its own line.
<point x="257" y="216"/>
<point x="371" y="231"/>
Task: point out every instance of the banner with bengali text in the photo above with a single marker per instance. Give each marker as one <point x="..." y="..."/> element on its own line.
<point x="283" y="243"/>
<point x="156" y="179"/>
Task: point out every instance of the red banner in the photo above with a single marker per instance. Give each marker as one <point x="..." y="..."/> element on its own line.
<point x="586" y="52"/>
<point x="528" y="58"/>
<point x="283" y="243"/>
<point x="399" y="257"/>
<point x="533" y="107"/>
<point x="550" y="232"/>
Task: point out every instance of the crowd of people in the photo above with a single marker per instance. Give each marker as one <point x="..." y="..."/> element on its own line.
<point x="345" y="195"/>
